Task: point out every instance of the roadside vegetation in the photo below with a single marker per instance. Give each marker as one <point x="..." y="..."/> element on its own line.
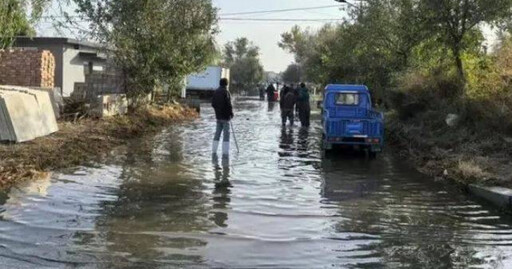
<point x="447" y="92"/>
<point x="87" y="140"/>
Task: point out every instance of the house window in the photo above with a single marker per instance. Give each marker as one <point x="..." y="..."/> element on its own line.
<point x="88" y="68"/>
<point x="347" y="99"/>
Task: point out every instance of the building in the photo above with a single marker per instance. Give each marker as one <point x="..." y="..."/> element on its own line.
<point x="73" y="59"/>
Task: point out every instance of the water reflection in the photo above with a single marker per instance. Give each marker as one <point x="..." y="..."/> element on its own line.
<point x="303" y="142"/>
<point x="286" y="139"/>
<point x="155" y="207"/>
<point x="416" y="223"/>
<point x="221" y="192"/>
<point x="271" y="106"/>
<point x="165" y="203"/>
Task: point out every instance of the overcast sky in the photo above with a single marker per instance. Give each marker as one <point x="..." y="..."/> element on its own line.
<point x="266" y="34"/>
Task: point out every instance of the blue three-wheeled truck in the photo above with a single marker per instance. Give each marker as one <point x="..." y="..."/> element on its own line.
<point x="349" y="119"/>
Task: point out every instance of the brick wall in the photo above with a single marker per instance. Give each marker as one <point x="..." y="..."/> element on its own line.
<point x="27" y="67"/>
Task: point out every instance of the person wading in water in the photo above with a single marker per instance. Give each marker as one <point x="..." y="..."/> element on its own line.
<point x="287" y="103"/>
<point x="270" y="92"/>
<point x="221" y="103"/>
<point x="303" y="105"/>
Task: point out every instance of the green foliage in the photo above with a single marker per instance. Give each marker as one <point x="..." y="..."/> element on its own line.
<point x="454" y="20"/>
<point x="242" y="57"/>
<point x="489" y="94"/>
<point x="154" y="41"/>
<point x="386" y="38"/>
<point x="292" y="74"/>
<point x="14" y="20"/>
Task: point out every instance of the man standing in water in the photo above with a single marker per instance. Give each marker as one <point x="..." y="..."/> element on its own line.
<point x="303" y="105"/>
<point x="287" y="101"/>
<point x="221" y="102"/>
<point x="270" y="92"/>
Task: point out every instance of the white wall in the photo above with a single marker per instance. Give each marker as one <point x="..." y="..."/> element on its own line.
<point x="74" y="70"/>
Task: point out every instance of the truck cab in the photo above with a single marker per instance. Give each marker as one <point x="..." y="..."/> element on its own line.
<point x="349" y="119"/>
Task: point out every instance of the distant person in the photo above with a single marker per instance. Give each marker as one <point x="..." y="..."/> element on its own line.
<point x="221" y="102"/>
<point x="262" y="92"/>
<point x="303" y="105"/>
<point x="281" y="94"/>
<point x="270" y="92"/>
<point x="288" y="100"/>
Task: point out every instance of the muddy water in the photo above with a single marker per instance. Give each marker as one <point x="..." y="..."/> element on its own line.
<point x="164" y="203"/>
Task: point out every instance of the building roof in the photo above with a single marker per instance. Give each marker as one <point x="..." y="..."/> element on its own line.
<point x="347" y="88"/>
<point x="24" y="40"/>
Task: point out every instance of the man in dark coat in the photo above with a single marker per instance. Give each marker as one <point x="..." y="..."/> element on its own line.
<point x="270" y="92"/>
<point x="287" y="102"/>
<point x="303" y="105"/>
<point x="282" y="92"/>
<point x="221" y="102"/>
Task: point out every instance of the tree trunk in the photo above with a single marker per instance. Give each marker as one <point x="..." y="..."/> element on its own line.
<point x="458" y="62"/>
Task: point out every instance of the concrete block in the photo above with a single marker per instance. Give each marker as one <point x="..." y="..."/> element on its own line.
<point x="110" y="105"/>
<point x="25" y="114"/>
<point x="498" y="196"/>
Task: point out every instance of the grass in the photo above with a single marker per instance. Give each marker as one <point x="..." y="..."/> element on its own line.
<point x="78" y="143"/>
<point x="471" y="170"/>
<point x="458" y="153"/>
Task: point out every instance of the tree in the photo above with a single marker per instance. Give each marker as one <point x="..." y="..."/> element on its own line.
<point x="242" y="57"/>
<point x="154" y="41"/>
<point x="396" y="26"/>
<point x="14" y="21"/>
<point x="455" y="19"/>
<point x="292" y="74"/>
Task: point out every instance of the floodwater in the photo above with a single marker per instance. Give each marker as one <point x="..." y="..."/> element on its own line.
<point x="164" y="202"/>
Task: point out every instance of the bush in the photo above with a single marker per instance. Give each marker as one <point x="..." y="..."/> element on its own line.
<point x="489" y="90"/>
<point x="418" y="92"/>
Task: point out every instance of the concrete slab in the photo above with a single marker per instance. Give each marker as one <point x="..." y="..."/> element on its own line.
<point x="25" y="114"/>
<point x="55" y="98"/>
<point x="498" y="196"/>
<point x="6" y="128"/>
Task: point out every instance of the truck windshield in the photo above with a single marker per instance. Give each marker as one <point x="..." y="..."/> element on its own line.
<point x="351" y="99"/>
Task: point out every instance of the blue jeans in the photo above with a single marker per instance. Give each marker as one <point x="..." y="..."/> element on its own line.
<point x="222" y="126"/>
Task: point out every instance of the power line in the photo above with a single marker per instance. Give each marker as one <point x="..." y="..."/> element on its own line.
<point x="271" y="19"/>
<point x="236" y="19"/>
<point x="277" y="10"/>
<point x="225" y="14"/>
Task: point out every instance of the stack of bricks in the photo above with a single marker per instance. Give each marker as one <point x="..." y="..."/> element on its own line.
<point x="27" y="67"/>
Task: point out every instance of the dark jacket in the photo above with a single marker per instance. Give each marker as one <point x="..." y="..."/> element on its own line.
<point x="288" y="101"/>
<point x="282" y="93"/>
<point x="270" y="89"/>
<point x="303" y="95"/>
<point x="221" y="102"/>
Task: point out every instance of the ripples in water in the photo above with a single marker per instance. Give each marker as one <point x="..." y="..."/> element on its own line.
<point x="164" y="202"/>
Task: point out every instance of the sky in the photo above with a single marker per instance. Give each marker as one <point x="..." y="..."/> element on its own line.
<point x="264" y="34"/>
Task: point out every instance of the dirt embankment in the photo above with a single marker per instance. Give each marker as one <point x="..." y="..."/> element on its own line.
<point x="81" y="142"/>
<point x="462" y="154"/>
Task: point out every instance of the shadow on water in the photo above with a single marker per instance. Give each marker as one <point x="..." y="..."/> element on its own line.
<point x="221" y="192"/>
<point x="164" y="202"/>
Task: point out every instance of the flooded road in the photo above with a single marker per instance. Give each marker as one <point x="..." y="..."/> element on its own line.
<point x="164" y="203"/>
